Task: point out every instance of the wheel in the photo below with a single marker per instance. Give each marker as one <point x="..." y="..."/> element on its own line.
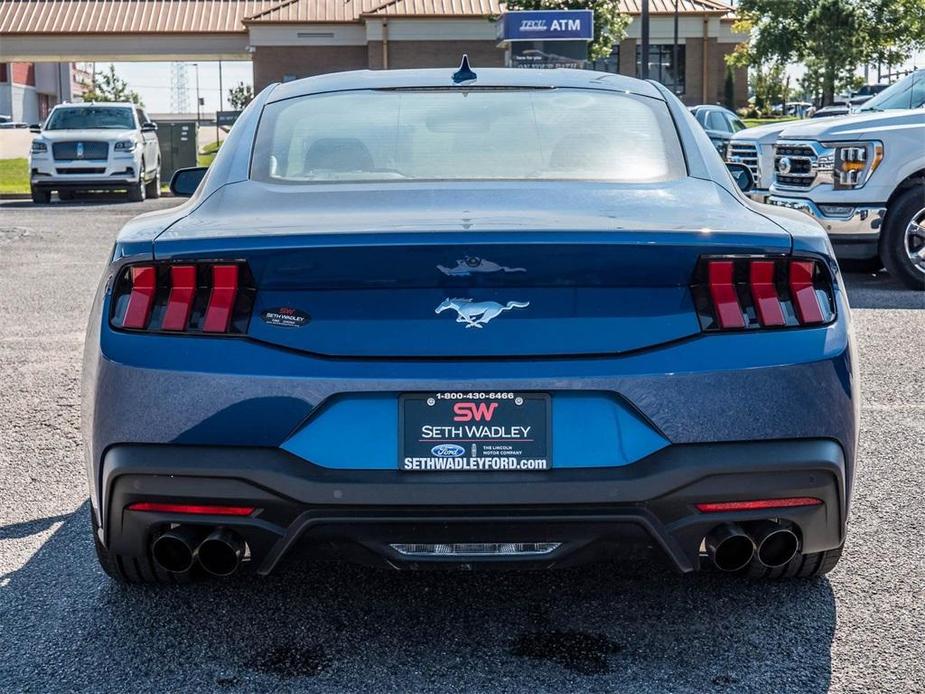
<point x="41" y="196"/>
<point x="810" y="565"/>
<point x="902" y="243"/>
<point x="136" y="191"/>
<point x="131" y="569"/>
<point x="153" y="189"/>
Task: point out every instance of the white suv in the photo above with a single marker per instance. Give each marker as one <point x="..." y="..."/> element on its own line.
<point x="95" y="146"/>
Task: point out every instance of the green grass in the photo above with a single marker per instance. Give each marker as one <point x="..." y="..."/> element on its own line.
<point x="752" y="122"/>
<point x="207" y="153"/>
<point x="14" y="176"/>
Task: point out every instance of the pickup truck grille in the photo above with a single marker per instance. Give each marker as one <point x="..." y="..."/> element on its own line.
<point x="795" y="165"/>
<point x="80" y="151"/>
<point x="745" y="153"/>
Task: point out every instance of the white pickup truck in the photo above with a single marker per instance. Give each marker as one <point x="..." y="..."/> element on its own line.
<point x="861" y="176"/>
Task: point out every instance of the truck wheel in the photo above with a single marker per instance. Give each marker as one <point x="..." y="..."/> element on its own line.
<point x="153" y="189"/>
<point x="126" y="569"/>
<point x="136" y="191"/>
<point x="810" y="565"/>
<point x="902" y="244"/>
<point x="41" y="196"/>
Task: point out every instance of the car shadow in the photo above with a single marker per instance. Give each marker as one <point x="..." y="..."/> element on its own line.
<point x="82" y="200"/>
<point x="880" y="290"/>
<point x="604" y="627"/>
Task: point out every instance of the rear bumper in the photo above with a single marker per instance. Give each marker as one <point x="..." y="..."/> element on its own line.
<point x="360" y="514"/>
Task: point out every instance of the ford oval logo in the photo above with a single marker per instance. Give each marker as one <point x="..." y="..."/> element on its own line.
<point x="447" y="450"/>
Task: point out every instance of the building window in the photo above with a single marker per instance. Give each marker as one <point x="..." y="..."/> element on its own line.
<point x="609" y="64"/>
<point x="662" y="68"/>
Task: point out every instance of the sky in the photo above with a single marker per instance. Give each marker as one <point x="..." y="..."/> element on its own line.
<point x="152" y="82"/>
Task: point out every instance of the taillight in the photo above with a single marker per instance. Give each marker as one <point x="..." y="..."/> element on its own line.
<point x="744" y="293"/>
<point x="214" y="298"/>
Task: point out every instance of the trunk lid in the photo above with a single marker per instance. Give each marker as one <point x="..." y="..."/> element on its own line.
<point x="471" y="270"/>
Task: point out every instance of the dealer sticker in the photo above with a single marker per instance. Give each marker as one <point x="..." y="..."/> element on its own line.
<point x="285" y="317"/>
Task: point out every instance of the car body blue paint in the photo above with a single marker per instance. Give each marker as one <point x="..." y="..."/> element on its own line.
<point x="588" y="430"/>
<point x="612" y="332"/>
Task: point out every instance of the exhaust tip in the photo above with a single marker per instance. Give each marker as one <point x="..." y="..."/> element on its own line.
<point x="173" y="550"/>
<point x="777" y="544"/>
<point x="729" y="547"/>
<point x="221" y="552"/>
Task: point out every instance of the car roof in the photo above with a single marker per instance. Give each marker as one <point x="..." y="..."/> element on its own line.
<point x="443" y="77"/>
<point x="102" y="104"/>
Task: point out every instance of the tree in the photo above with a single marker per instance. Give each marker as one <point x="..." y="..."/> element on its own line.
<point x="833" y="37"/>
<point x="108" y="86"/>
<point x="609" y="23"/>
<point x="729" y="89"/>
<point x="240" y="96"/>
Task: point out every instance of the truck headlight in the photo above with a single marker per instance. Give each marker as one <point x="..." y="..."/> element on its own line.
<point x="39" y="147"/>
<point x="854" y="163"/>
<point x="125" y="146"/>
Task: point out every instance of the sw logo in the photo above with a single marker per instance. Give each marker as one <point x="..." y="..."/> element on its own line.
<point x="467" y="411"/>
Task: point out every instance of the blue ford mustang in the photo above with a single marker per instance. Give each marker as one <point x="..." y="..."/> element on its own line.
<point x="494" y="318"/>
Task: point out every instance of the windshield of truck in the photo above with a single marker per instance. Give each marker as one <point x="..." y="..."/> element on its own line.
<point x="91" y="118"/>
<point x="909" y="92"/>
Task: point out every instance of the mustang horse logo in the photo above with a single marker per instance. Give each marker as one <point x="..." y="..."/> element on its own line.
<point x="477" y="314"/>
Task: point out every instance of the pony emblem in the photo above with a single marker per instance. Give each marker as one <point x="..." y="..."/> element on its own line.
<point x="468" y="265"/>
<point x="477" y="314"/>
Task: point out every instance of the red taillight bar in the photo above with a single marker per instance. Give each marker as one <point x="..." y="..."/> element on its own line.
<point x="764" y="293"/>
<point x="140" y="301"/>
<point x="723" y="294"/>
<point x="803" y="291"/>
<point x="221" y="302"/>
<point x="757" y="505"/>
<point x="180" y="301"/>
<point x="192" y="509"/>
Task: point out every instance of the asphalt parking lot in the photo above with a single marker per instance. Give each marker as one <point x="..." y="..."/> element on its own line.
<point x="65" y="626"/>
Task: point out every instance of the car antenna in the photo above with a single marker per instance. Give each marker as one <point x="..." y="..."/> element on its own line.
<point x="464" y="73"/>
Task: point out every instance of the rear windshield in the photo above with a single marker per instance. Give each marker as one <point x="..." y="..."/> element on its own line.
<point x="90" y="117"/>
<point x="442" y="134"/>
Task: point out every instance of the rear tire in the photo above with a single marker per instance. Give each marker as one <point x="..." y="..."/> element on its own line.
<point x="132" y="569"/>
<point x="810" y="565"/>
<point x="41" y="196"/>
<point x="898" y="242"/>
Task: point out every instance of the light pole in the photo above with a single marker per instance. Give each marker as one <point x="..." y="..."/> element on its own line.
<point x="674" y="52"/>
<point x="198" y="113"/>
<point x="221" y="99"/>
<point x="644" y="49"/>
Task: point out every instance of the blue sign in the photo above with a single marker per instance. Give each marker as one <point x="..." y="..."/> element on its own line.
<point x="547" y="25"/>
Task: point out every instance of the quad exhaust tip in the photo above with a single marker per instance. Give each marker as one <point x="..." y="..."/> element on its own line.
<point x="174" y="550"/>
<point x="777" y="544"/>
<point x="221" y="552"/>
<point x="729" y="547"/>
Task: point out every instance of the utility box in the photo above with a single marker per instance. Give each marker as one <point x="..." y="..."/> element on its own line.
<point x="179" y="148"/>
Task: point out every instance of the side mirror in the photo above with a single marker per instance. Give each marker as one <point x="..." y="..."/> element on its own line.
<point x="149" y="127"/>
<point x="185" y="181"/>
<point x="742" y="175"/>
<point x="35" y="128"/>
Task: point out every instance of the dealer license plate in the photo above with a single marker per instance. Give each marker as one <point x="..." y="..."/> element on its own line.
<point x="474" y="431"/>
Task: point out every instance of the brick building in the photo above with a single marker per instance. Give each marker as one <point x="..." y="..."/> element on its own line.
<point x="288" y="39"/>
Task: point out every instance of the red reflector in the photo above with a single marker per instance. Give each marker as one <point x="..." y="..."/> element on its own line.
<point x="192" y="509"/>
<point x="180" y="301"/>
<point x="803" y="292"/>
<point x="221" y="302"/>
<point x="723" y="294"/>
<point x="764" y="293"/>
<point x="144" y="285"/>
<point x="721" y="506"/>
